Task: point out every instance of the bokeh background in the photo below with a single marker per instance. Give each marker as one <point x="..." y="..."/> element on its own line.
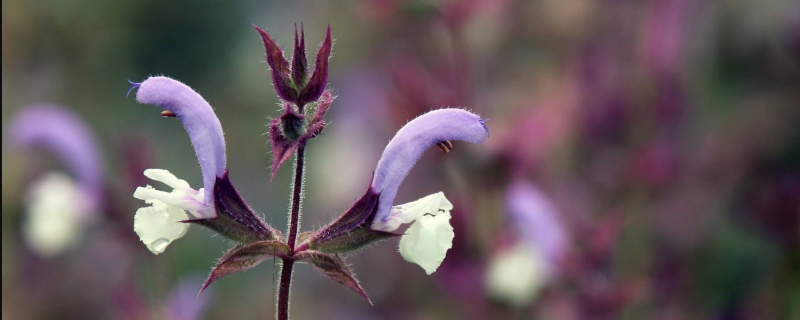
<point x="662" y="136"/>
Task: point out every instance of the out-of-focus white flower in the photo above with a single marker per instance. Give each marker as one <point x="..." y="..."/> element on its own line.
<point x="430" y="236"/>
<point x="57" y="214"/>
<point x="516" y="276"/>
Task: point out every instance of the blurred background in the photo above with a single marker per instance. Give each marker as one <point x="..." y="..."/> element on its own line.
<point x="644" y="158"/>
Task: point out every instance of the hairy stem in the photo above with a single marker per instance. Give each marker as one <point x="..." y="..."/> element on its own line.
<point x="284" y="288"/>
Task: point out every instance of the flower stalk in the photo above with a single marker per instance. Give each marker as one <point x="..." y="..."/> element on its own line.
<point x="284" y="287"/>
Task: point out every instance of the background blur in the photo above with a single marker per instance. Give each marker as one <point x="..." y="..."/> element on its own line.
<point x="665" y="134"/>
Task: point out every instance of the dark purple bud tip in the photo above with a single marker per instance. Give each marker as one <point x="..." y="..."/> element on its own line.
<point x="299" y="63"/>
<point x="134" y="85"/>
<point x="316" y="84"/>
<point x="281" y="75"/>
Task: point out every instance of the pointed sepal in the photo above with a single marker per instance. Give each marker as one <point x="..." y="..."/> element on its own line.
<point x="333" y="267"/>
<point x="318" y="121"/>
<point x="235" y="219"/>
<point x="319" y="79"/>
<point x="351" y="231"/>
<point x="245" y="256"/>
<point x="288" y="131"/>
<point x="299" y="62"/>
<point x="282" y="147"/>
<point x="281" y="74"/>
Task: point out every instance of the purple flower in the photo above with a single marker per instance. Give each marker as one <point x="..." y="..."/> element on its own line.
<point x="537" y="221"/>
<point x="217" y="205"/>
<point x="403" y="151"/>
<point x="373" y="218"/>
<point x="161" y="223"/>
<point x="67" y="136"/>
<point x="198" y="118"/>
<point x="184" y="303"/>
<point x="58" y="208"/>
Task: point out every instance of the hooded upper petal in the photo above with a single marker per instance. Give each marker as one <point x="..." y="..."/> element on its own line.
<point x="414" y="138"/>
<point x="199" y="119"/>
<point x="67" y="136"/>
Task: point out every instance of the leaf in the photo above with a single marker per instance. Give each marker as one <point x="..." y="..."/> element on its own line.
<point x="280" y="67"/>
<point x="245" y="256"/>
<point x="352" y="240"/>
<point x="333" y="267"/>
<point x="351" y="219"/>
<point x="235" y="219"/>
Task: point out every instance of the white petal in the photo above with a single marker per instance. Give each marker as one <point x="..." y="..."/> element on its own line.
<point x="55" y="219"/>
<point x="406" y="213"/>
<point x="427" y="240"/>
<point x="176" y="198"/>
<point x="167" y="178"/>
<point x="516" y="276"/>
<point x="158" y="225"/>
<point x="182" y="197"/>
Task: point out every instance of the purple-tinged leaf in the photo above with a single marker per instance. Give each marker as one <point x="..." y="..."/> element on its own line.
<point x="280" y="67"/>
<point x="318" y="121"/>
<point x="319" y="79"/>
<point x="352" y="240"/>
<point x="243" y="257"/>
<point x="299" y="63"/>
<point x="333" y="267"/>
<point x="234" y="218"/>
<point x="282" y="148"/>
<point x="351" y="230"/>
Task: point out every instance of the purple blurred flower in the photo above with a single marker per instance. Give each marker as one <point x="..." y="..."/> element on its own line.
<point x="538" y="222"/>
<point x="184" y="303"/>
<point x="58" y="208"/>
<point x="67" y="136"/>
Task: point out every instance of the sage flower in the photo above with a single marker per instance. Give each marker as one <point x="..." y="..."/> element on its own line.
<point x="518" y="274"/>
<point x="59" y="206"/>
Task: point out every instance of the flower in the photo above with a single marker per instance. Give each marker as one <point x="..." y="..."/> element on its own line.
<point x="538" y="222"/>
<point x="159" y="224"/>
<point x="518" y="274"/>
<point x="59" y="207"/>
<point x="217" y="205"/>
<point x="430" y="236"/>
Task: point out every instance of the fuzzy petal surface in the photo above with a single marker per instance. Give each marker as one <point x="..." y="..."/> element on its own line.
<point x="412" y="140"/>
<point x="199" y="119"/>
